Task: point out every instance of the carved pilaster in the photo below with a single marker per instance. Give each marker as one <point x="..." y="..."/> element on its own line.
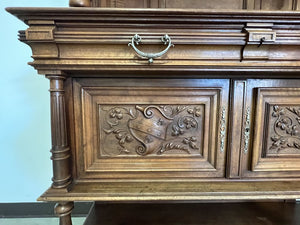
<point x="60" y="149"/>
<point x="63" y="211"/>
<point x="80" y="3"/>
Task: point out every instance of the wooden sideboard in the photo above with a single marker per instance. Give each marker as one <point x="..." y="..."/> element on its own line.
<point x="214" y="114"/>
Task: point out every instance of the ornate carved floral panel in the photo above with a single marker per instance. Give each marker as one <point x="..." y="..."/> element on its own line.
<point x="156" y="130"/>
<point x="276" y="145"/>
<point x="174" y="131"/>
<point x="283" y="138"/>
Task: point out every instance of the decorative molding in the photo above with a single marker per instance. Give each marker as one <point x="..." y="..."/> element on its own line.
<point x="247" y="131"/>
<point x="44" y="33"/>
<point x="222" y="129"/>
<point x="259" y="38"/>
<point x="225" y="32"/>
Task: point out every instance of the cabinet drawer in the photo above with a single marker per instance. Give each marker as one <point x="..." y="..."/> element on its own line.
<point x="142" y="128"/>
<point x="275" y="142"/>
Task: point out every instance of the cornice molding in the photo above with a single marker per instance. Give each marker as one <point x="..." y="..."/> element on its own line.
<point x="211" y="41"/>
<point x="143" y="16"/>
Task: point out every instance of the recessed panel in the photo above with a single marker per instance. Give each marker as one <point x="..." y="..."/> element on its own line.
<point x="174" y="129"/>
<point x="276" y="143"/>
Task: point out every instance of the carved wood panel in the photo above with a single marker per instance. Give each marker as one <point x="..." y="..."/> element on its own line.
<point x="283" y="136"/>
<point x="142" y="130"/>
<point x="273" y="123"/>
<point x="171" y="128"/>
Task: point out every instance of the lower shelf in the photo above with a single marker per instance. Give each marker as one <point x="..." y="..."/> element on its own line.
<point x="175" y="191"/>
<point x="253" y="213"/>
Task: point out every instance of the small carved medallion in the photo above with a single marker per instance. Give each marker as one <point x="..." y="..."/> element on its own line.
<point x="140" y="130"/>
<point x="284" y="127"/>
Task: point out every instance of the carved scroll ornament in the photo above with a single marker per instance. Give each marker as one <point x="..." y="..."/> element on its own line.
<point x="285" y="135"/>
<point x="151" y="129"/>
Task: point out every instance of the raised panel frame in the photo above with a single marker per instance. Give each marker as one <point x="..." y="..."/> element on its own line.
<point x="267" y="98"/>
<point x="211" y="164"/>
<point x="261" y="96"/>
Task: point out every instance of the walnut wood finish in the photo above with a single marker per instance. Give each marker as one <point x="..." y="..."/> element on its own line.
<point x="60" y="149"/>
<point x="215" y="118"/>
<point x="180" y="190"/>
<point x="199" y="4"/>
<point x="63" y="211"/>
<point x="274" y="113"/>
<point x="80" y="3"/>
<point x="207" y="46"/>
<point x="124" y="136"/>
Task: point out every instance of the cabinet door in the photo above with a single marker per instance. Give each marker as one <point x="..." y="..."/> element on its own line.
<point x="271" y="145"/>
<point x="146" y="129"/>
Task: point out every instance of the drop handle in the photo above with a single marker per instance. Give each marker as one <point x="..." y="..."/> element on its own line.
<point x="136" y="40"/>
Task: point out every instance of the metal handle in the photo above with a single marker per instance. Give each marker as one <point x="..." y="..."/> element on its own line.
<point x="136" y="40"/>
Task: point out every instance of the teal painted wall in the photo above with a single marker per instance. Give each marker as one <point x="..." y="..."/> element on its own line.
<point x="25" y="166"/>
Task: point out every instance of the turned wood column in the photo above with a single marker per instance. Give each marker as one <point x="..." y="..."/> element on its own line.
<point x="63" y="211"/>
<point x="80" y="3"/>
<point x="60" y="149"/>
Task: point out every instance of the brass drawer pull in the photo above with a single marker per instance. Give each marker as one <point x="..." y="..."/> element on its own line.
<point x="136" y="40"/>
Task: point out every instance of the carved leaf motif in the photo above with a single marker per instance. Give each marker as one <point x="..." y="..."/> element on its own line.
<point x="286" y="129"/>
<point x="171" y="146"/>
<point x="191" y="142"/>
<point x="151" y="129"/>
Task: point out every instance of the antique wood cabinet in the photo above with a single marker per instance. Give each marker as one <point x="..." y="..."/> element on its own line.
<point x="169" y="104"/>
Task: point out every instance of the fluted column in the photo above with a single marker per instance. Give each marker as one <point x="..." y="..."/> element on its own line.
<point x="80" y="3"/>
<point x="60" y="148"/>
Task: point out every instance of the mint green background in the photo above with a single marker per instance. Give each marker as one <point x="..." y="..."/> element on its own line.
<point x="25" y="166"/>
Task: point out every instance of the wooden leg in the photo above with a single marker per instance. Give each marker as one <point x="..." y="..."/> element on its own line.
<point x="63" y="211"/>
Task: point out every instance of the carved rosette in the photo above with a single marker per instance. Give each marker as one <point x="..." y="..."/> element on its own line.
<point x="150" y="129"/>
<point x="284" y="127"/>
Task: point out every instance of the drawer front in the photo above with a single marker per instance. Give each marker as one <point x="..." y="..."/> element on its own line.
<point x="275" y="137"/>
<point x="150" y="128"/>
